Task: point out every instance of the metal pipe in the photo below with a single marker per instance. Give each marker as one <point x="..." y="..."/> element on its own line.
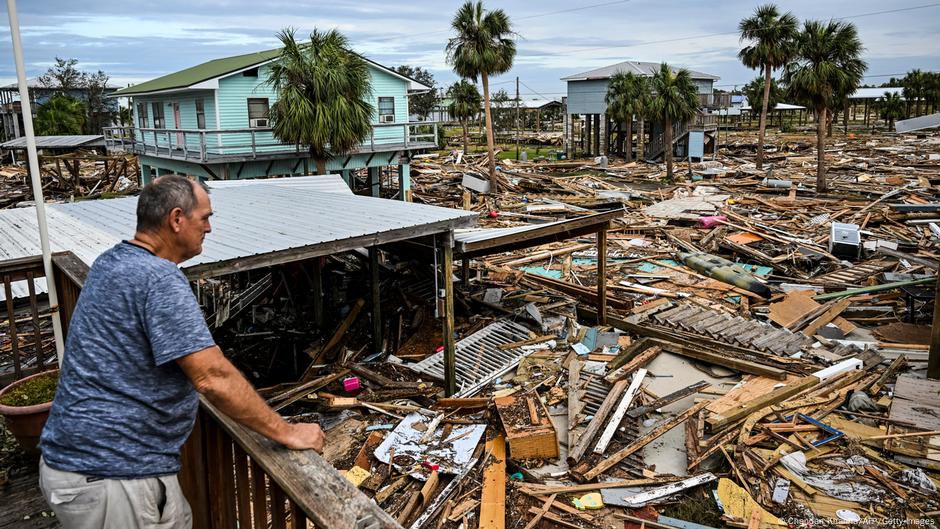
<point x="34" y="179"/>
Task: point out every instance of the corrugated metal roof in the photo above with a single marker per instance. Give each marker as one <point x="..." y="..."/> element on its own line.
<point x="248" y="221"/>
<point x="930" y="121"/>
<point x="57" y="142"/>
<point x="331" y="183"/>
<point x="494" y="240"/>
<point x="876" y="93"/>
<point x="639" y="68"/>
<point x="538" y="103"/>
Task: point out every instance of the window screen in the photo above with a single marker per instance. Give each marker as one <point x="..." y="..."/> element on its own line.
<point x="200" y="114"/>
<point x="257" y="109"/>
<point x="159" y="122"/>
<point x="142" y="120"/>
<point x="386" y="107"/>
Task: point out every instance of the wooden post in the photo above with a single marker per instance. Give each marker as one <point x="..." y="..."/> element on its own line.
<point x="376" y="299"/>
<point x="933" y="360"/>
<point x="602" y="276"/>
<point x="317" y="280"/>
<point x="450" y="359"/>
<point x="465" y="272"/>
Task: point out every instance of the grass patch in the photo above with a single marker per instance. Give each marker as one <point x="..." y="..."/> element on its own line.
<point x="36" y="391"/>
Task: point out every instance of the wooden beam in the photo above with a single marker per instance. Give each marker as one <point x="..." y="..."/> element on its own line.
<point x="602" y="276"/>
<point x="830" y="314"/>
<point x="493" y="495"/>
<point x="618" y="414"/>
<point x="646" y="439"/>
<point x="450" y="351"/>
<point x="377" y="334"/>
<point x="719" y="421"/>
<point x="933" y="359"/>
<point x="312" y="484"/>
<point x="575" y="394"/>
<point x="600" y="420"/>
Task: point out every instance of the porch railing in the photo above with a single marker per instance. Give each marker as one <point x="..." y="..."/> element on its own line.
<point x="27" y="345"/>
<point x="204" y="145"/>
<point x="701" y="121"/>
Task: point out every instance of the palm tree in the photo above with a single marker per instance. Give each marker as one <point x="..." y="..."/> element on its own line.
<point x="628" y="96"/>
<point x="484" y="46"/>
<point x="890" y="108"/>
<point x="754" y="92"/>
<point x="323" y="93"/>
<point x="828" y="64"/>
<point x="60" y="116"/>
<point x="674" y="100"/>
<point x="914" y="83"/>
<point x="772" y="38"/>
<point x="465" y="104"/>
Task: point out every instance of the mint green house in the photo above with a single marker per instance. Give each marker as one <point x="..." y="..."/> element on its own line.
<point x="211" y="121"/>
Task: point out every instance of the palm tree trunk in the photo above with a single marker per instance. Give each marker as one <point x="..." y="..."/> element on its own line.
<point x="494" y="184"/>
<point x="640" y="137"/>
<point x="321" y="166"/>
<point x="464" y="122"/>
<point x="667" y="148"/>
<point x="763" y="119"/>
<point x="821" y="186"/>
<point x="628" y="142"/>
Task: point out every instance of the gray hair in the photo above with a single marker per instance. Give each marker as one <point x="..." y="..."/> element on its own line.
<point x="162" y="196"/>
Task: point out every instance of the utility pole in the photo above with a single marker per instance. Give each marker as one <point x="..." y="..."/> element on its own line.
<point x="517" y="118"/>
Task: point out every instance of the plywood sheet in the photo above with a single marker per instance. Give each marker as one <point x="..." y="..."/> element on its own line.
<point x="753" y="387"/>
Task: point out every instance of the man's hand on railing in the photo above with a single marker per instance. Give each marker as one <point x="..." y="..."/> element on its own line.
<point x="305" y="436"/>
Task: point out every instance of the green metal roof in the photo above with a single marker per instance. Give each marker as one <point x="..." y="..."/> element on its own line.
<point x="199" y="73"/>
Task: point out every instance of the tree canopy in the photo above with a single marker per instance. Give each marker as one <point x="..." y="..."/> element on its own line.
<point x="324" y="93"/>
<point x="424" y="103"/>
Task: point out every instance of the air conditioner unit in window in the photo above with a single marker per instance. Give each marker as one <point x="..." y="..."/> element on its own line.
<point x="258" y="123"/>
<point x="387" y="118"/>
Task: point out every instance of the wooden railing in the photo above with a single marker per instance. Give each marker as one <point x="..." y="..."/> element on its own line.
<point x="235" y="478"/>
<point x="204" y="145"/>
<point x="701" y="121"/>
<point x="28" y="345"/>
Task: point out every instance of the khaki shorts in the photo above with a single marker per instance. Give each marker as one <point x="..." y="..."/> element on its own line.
<point x="80" y="502"/>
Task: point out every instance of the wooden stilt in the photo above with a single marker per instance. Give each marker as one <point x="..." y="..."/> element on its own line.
<point x="376" y="299"/>
<point x="450" y="360"/>
<point x="602" y="276"/>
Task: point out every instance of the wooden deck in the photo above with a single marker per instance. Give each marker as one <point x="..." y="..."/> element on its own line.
<point x="23" y="504"/>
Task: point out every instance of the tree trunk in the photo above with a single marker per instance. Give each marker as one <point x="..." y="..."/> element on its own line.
<point x="828" y="121"/>
<point x="820" y="152"/>
<point x="464" y="122"/>
<point x="640" y="136"/>
<point x="321" y="166"/>
<point x="494" y="184"/>
<point x="667" y="148"/>
<point x="628" y="141"/>
<point x="763" y="118"/>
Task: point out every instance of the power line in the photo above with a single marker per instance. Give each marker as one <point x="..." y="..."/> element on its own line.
<point x="538" y="15"/>
<point x="709" y="35"/>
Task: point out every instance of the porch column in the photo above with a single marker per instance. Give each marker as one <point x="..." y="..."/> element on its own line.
<point x="317" y="280"/>
<point x="376" y="300"/>
<point x="374" y="181"/>
<point x="602" y="276"/>
<point x="603" y="135"/>
<point x="596" y="151"/>
<point x="404" y="178"/>
<point x="586" y="136"/>
<point x="450" y="351"/>
<point x="566" y="126"/>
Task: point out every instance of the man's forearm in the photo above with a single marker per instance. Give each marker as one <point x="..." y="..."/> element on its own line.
<point x="228" y="390"/>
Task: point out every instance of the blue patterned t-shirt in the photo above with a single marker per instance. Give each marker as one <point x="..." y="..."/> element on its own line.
<point x="124" y="407"/>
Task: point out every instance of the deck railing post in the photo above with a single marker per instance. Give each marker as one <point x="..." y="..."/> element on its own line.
<point x="202" y="145"/>
<point x="254" y="153"/>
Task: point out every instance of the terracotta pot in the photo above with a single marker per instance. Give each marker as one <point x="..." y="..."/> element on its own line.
<point x="26" y="422"/>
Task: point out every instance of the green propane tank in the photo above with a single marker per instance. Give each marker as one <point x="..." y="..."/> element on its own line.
<point x="724" y="270"/>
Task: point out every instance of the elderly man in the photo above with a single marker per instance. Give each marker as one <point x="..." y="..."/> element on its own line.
<point x="137" y="353"/>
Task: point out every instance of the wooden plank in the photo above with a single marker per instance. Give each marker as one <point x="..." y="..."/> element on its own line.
<point x="538" y="488"/>
<point x="646" y="439"/>
<point x="551" y="517"/>
<point x="602" y="276"/>
<point x="575" y="395"/>
<point x="450" y="352"/>
<point x="599" y="420"/>
<point x="675" y="396"/>
<point x="340" y="332"/>
<point x="617" y="417"/>
<point x="545" y="507"/>
<point x="493" y="495"/>
<point x="242" y="488"/>
<point x="830" y="314"/>
<point x="719" y="421"/>
<point x="259" y="500"/>
<point x="642" y="359"/>
<point x="307" y="479"/>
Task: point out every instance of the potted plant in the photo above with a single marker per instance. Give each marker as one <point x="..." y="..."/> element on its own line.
<point x="25" y="406"/>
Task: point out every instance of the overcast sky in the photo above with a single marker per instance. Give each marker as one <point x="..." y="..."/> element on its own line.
<point x="134" y="41"/>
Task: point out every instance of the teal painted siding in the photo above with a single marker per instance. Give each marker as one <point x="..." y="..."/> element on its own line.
<point x="187" y="105"/>
<point x="235" y="90"/>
